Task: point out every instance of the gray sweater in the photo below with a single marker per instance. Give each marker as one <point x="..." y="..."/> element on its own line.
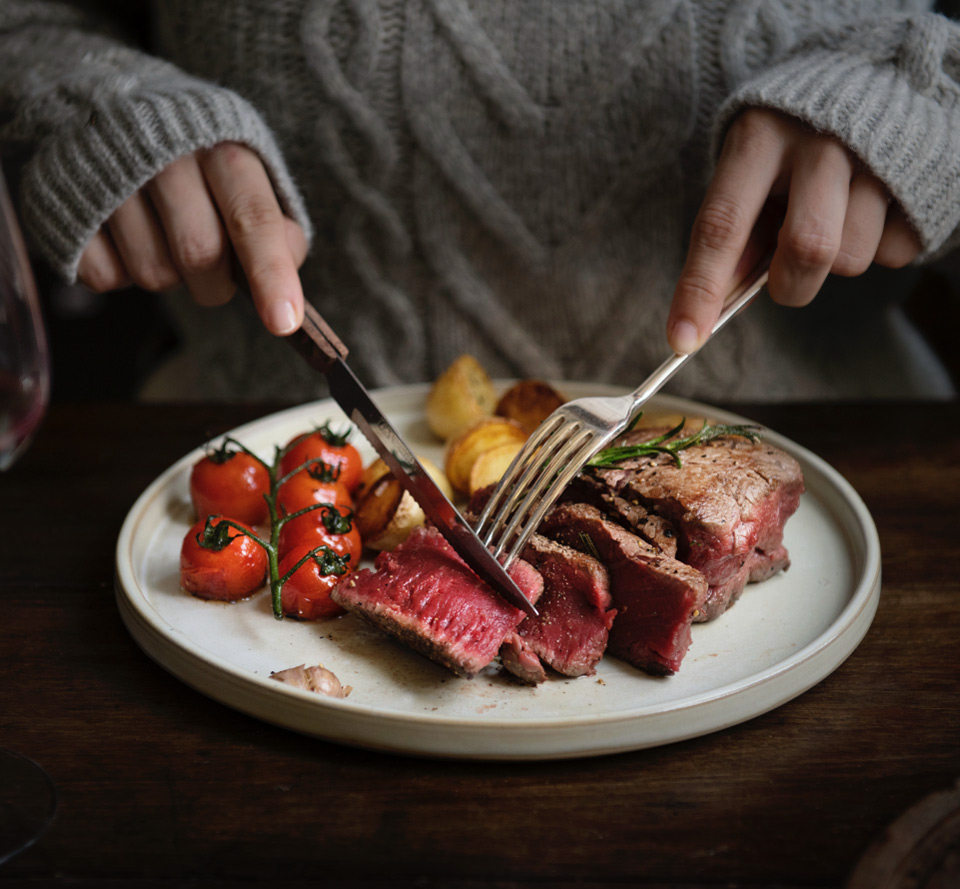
<point x="511" y="179"/>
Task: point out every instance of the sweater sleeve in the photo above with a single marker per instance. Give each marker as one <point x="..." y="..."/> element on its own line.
<point x="890" y="91"/>
<point x="96" y="119"/>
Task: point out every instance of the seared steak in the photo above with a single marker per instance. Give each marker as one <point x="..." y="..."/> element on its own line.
<point x="656" y="597"/>
<point x="627" y="562"/>
<point x="589" y="488"/>
<point x="728" y="502"/>
<point x="424" y="594"/>
<point x="569" y="634"/>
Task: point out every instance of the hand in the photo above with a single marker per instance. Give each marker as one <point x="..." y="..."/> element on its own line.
<point x="837" y="218"/>
<point x="188" y="224"/>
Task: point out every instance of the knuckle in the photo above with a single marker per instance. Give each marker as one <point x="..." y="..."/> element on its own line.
<point x="198" y="253"/>
<point x="155" y="276"/>
<point x="251" y="214"/>
<point x="810" y="248"/>
<point x="850" y="263"/>
<point x="720" y="223"/>
<point x="696" y="288"/>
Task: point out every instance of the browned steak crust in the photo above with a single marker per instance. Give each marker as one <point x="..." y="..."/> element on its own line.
<point x="729" y="501"/>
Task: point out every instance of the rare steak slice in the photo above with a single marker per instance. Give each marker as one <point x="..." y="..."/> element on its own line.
<point x="576" y="612"/>
<point x="656" y="597"/>
<point x="424" y="594"/>
<point x="729" y="502"/>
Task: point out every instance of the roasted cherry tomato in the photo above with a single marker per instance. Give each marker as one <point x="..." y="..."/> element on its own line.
<point x="306" y="593"/>
<point x="230" y="483"/>
<point x="332" y="448"/>
<point x="331" y="526"/>
<point x="316" y="484"/>
<point x="218" y="561"/>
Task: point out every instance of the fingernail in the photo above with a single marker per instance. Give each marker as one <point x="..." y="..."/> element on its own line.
<point x="281" y="318"/>
<point x="685" y="337"/>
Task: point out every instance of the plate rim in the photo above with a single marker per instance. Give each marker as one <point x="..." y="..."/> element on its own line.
<point x="819" y="656"/>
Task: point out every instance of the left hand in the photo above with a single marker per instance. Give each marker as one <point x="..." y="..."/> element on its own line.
<point x="837" y="218"/>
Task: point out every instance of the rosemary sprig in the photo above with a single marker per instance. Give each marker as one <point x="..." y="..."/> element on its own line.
<point x="668" y="444"/>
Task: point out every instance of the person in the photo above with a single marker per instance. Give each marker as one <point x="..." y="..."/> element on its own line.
<point x="564" y="190"/>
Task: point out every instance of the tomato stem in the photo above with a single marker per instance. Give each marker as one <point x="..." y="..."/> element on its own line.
<point x="329" y="562"/>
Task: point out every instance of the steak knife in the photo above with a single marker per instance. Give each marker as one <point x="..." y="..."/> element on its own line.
<point x="324" y="351"/>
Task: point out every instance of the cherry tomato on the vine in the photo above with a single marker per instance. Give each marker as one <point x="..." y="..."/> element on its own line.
<point x="316" y="484"/>
<point x="331" y="526"/>
<point x="333" y="448"/>
<point x="231" y="483"/>
<point x="306" y="593"/>
<point x="218" y="561"/>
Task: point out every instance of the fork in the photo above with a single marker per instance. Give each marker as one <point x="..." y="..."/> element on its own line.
<point x="572" y="435"/>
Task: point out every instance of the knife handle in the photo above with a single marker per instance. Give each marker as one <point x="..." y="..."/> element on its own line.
<point x="316" y="341"/>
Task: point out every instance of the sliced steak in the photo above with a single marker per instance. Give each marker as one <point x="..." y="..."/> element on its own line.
<point x="729" y="502"/>
<point x="521" y="660"/>
<point x="656" y="597"/>
<point x="576" y="612"/>
<point x="634" y="516"/>
<point x="423" y="594"/>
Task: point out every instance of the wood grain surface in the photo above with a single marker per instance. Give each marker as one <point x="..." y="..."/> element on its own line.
<point x="160" y="786"/>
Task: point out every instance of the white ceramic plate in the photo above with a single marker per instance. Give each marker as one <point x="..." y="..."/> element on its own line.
<point x="781" y="637"/>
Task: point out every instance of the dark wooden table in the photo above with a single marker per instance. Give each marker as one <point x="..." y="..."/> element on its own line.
<point x="158" y="785"/>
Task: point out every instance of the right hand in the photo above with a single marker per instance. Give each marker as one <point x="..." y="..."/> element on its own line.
<point x="836" y="218"/>
<point x="188" y="224"/>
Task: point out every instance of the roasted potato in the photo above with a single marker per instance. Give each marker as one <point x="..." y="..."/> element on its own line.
<point x="490" y="466"/>
<point x="483" y="435"/>
<point x="459" y="397"/>
<point x="385" y="513"/>
<point x="529" y="402"/>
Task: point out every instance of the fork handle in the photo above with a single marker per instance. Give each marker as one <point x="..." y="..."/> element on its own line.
<point x="736" y="301"/>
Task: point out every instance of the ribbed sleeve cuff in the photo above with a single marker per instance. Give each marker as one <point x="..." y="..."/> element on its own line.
<point x="899" y="116"/>
<point x="80" y="176"/>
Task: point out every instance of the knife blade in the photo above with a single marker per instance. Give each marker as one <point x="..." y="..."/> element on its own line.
<point x="323" y="350"/>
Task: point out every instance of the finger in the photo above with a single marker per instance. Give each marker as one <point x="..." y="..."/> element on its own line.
<point x="812" y="229"/>
<point x="256" y="228"/>
<point x="100" y="267"/>
<point x="899" y="244"/>
<point x="195" y="236"/>
<point x="741" y="184"/>
<point x="142" y="245"/>
<point x="862" y="227"/>
<point x="296" y="241"/>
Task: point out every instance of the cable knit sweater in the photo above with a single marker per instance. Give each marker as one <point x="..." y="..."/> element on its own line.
<point x="511" y="179"/>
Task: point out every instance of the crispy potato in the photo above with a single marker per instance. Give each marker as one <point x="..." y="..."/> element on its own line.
<point x="385" y="513"/>
<point x="484" y="435"/>
<point x="490" y="466"/>
<point x="459" y="397"/>
<point x="529" y="402"/>
<point x="372" y="473"/>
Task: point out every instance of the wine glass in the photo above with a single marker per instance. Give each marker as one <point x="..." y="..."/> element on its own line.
<point x="28" y="803"/>
<point x="24" y="358"/>
<point x="28" y="799"/>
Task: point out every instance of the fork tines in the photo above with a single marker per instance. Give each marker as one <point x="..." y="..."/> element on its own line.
<point x="547" y="463"/>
